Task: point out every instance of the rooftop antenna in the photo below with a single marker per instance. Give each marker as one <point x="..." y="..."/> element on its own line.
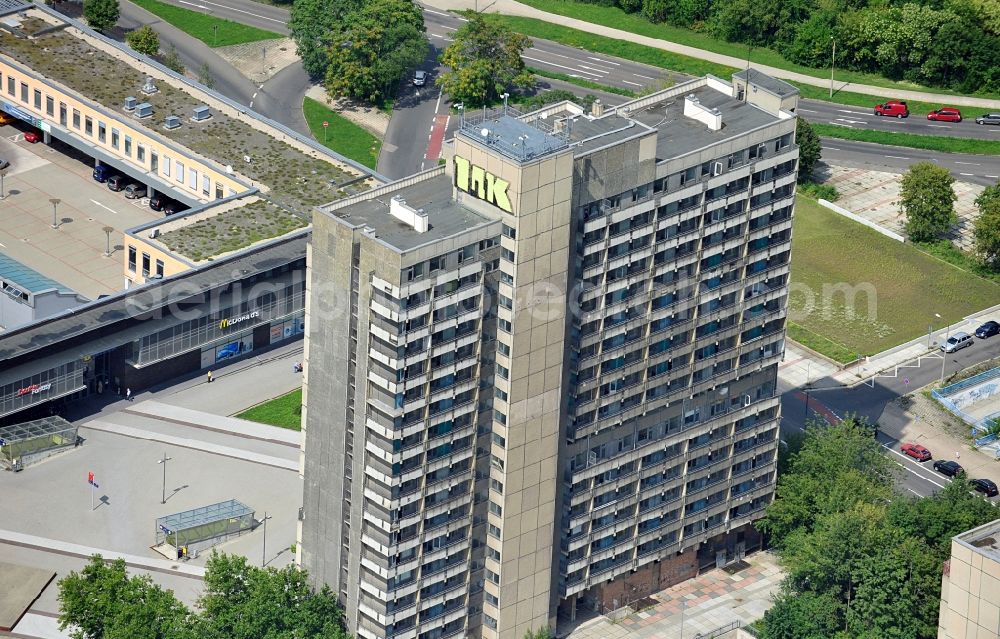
<point x="461" y="114"/>
<point x="505" y="95"/>
<point x="746" y="92"/>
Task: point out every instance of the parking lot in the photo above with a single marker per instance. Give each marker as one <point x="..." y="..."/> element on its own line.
<point x="72" y="254"/>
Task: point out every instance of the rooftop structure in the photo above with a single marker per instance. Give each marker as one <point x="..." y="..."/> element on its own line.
<point x="14" y="275"/>
<point x="761" y="80"/>
<point x="984" y="540"/>
<point x="970" y="587"/>
<point x="179" y="138"/>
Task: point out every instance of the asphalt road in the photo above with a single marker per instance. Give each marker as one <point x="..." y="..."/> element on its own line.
<point x="853" y="117"/>
<point x="977" y="169"/>
<point x="870" y="401"/>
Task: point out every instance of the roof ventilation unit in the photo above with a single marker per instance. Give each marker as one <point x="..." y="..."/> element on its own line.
<point x="143" y="110"/>
<point x="129" y="104"/>
<point x="201" y="113"/>
<point x="171" y="122"/>
<point x="149" y="88"/>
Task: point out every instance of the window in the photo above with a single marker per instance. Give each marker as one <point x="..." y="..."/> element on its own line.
<point x="505" y="325"/>
<point x="499" y="440"/>
<point x="140" y="153"/>
<point x="159" y="268"/>
<point x="499" y="416"/>
<point x="192" y="179"/>
<point x="11" y="85"/>
<point x="62" y="113"/>
<point x="493" y="554"/>
<point x="166" y="166"/>
<point x="492" y="576"/>
<point x="50" y="105"/>
<point x="503" y="372"/>
<point x="496" y="485"/>
<point x="206" y="185"/>
<point x="128" y="145"/>
<point x="503" y="348"/>
<point x="180" y="171"/>
<point x="88" y="125"/>
<point x="38" y="99"/>
<point x="499" y="394"/>
<point x="495" y="531"/>
<point x="102" y="132"/>
<point x="114" y="138"/>
<point x="510" y="232"/>
<point x="76" y="119"/>
<point x="24" y="92"/>
<point x="435" y="264"/>
<point x="131" y="258"/>
<point x="496" y="509"/>
<point x="145" y="264"/>
<point x="507" y="254"/>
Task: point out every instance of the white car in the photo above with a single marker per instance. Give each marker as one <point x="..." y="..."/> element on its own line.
<point x="419" y="78"/>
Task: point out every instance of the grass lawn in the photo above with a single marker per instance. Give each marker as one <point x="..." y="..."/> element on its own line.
<point x="896" y="288"/>
<point x="343" y="136"/>
<point x="911" y="140"/>
<point x="202" y="26"/>
<point x="284" y="411"/>
<point x="635" y="23"/>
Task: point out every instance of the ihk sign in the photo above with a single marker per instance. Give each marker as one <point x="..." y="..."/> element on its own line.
<point x="475" y="181"/>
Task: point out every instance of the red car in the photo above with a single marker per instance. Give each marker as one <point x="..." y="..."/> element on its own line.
<point x="896" y="108"/>
<point x="916" y="451"/>
<point x="947" y="114"/>
<point x="32" y="136"/>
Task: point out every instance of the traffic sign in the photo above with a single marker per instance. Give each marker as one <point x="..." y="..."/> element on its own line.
<point x="906" y="381"/>
<point x="325" y="124"/>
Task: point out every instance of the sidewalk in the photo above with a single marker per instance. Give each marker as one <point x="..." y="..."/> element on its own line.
<point x="698" y="606"/>
<point x="801" y="367"/>
<point x="510" y="7"/>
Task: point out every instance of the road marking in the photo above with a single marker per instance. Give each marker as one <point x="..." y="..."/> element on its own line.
<point x="635" y="84"/>
<point x="897" y="157"/>
<point x="617" y="64"/>
<point x="851" y="121"/>
<point x="996" y="177"/>
<point x="443" y="26"/>
<point x="940" y="126"/>
<point x="553" y="64"/>
<point x="645" y="77"/>
<point x="447" y="15"/>
<point x="215" y="4"/>
<point x="251" y="104"/>
<point x="801" y="110"/>
<point x="968" y="174"/>
<point x="852" y="112"/>
<point x="105" y="207"/>
<point x="915" y="473"/>
<point x="846" y="126"/>
<point x="594" y="69"/>
<point x="968" y="163"/>
<point x="254" y="96"/>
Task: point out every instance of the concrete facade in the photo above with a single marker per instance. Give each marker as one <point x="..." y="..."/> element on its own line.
<point x="970" y="588"/>
<point x="616" y="283"/>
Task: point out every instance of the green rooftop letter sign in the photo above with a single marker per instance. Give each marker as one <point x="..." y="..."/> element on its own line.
<point x="475" y="181"/>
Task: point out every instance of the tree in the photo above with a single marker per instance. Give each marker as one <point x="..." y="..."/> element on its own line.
<point x="143" y="40"/>
<point x="245" y="602"/>
<point x="172" y="60"/>
<point x="810" y="149"/>
<point x="928" y="201"/>
<point x="314" y="25"/>
<point x="205" y="75"/>
<point x="541" y="633"/>
<point x="485" y="61"/>
<point x="383" y="40"/>
<point x="101" y="15"/>
<point x="239" y="602"/>
<point x="797" y="615"/>
<point x="986" y="230"/>
<point x="103" y="602"/>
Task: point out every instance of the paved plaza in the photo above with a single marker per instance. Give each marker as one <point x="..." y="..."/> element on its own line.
<point x="703" y="604"/>
<point x="54" y="520"/>
<point x="74" y="253"/>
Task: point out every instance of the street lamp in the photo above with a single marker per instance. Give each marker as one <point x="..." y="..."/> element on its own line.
<point x="833" y="62"/>
<point x="107" y="231"/>
<point x="807" y="391"/>
<point x="504" y="97"/>
<point x="163" y="492"/>
<point x="263" y="557"/>
<point x="55" y="204"/>
<point x="3" y="172"/>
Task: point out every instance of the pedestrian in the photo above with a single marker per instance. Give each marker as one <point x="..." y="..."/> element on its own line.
<point x="128" y="395"/>
<point x="958" y="455"/>
<point x="209" y="377"/>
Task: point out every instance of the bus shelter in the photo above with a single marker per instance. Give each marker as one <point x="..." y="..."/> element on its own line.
<point x="24" y="444"/>
<point x="186" y="533"/>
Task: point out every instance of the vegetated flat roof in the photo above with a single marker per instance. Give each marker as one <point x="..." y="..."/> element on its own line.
<point x="984" y="540"/>
<point x="209" y="236"/>
<point x="26" y="278"/>
<point x="433" y="194"/>
<point x="296" y="180"/>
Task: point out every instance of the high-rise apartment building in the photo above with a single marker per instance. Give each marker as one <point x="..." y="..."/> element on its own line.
<point x="542" y="377"/>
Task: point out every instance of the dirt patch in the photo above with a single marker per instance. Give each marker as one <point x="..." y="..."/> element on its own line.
<point x="924" y="409"/>
<point x="262" y="60"/>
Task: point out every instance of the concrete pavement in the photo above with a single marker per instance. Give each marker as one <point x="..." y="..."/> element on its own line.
<point x="511" y="7"/>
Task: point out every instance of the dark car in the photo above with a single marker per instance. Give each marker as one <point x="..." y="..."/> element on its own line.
<point x="988" y="329"/>
<point x="988" y="118"/>
<point x="947" y="114"/>
<point x="985" y="486"/>
<point x="102" y="172"/>
<point x="4" y="164"/>
<point x="948" y="467"/>
<point x="116" y="183"/>
<point x="157" y="201"/>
